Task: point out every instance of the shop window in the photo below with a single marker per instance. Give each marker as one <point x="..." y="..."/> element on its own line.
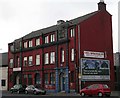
<point x="46" y="78"/>
<point x="52" y="78"/>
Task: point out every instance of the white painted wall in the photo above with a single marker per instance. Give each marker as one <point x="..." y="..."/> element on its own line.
<point x="3" y="75"/>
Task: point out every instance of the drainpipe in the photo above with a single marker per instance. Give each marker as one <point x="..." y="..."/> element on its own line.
<point x="79" y="60"/>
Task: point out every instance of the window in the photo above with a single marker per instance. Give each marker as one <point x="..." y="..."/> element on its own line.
<point x="52" y="78"/>
<point x="52" y="57"/>
<point x="11" y="63"/>
<point x="37" y="59"/>
<point x="25" y="61"/>
<point x="30" y="43"/>
<point x="30" y="60"/>
<point x="72" y="32"/>
<point x="46" y="58"/>
<point x="3" y="82"/>
<point x="29" y="79"/>
<point x="63" y="56"/>
<point x="52" y="38"/>
<point x="25" y="44"/>
<point x="46" y="78"/>
<point x="18" y="61"/>
<point x="37" y="41"/>
<point x="72" y="55"/>
<point x="25" y="79"/>
<point x="46" y="39"/>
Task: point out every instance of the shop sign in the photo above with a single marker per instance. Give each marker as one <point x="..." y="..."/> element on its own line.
<point x="94" y="54"/>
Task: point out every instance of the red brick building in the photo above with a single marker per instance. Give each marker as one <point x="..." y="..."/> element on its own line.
<point x="66" y="56"/>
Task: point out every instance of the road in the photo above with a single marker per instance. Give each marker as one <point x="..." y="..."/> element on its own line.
<point x="49" y="95"/>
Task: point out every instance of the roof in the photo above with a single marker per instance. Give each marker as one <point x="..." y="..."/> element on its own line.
<point x="55" y="27"/>
<point x="4" y="59"/>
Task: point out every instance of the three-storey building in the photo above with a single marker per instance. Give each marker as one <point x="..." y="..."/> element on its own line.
<point x="66" y="56"/>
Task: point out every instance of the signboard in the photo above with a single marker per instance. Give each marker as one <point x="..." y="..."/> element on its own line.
<point x="94" y="54"/>
<point x="17" y="69"/>
<point x="95" y="69"/>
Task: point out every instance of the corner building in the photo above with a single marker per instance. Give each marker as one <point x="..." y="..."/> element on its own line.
<point x="67" y="56"/>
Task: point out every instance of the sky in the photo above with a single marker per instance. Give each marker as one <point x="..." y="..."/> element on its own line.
<point x="20" y="17"/>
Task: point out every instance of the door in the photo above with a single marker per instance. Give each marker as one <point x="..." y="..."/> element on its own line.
<point x="62" y="82"/>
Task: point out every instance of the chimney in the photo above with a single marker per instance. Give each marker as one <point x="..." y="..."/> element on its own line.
<point x="101" y="5"/>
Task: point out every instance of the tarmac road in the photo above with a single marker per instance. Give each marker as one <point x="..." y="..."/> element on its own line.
<point x="7" y="94"/>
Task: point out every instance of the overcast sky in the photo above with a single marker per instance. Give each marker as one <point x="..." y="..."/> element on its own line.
<point x="20" y="17"/>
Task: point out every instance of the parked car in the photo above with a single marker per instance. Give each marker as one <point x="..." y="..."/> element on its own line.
<point x="18" y="88"/>
<point x="96" y="89"/>
<point x="34" y="90"/>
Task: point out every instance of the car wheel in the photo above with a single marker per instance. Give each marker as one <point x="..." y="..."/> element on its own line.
<point x="100" y="94"/>
<point x="18" y="92"/>
<point x="34" y="92"/>
<point x="26" y="92"/>
<point x="82" y="94"/>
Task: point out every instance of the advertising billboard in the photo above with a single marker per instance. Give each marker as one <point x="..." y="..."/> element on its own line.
<point x="95" y="69"/>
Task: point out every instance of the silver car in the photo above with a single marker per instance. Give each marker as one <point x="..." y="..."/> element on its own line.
<point x="34" y="90"/>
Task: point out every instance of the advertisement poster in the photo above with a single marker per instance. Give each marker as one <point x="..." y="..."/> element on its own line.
<point x="95" y="69"/>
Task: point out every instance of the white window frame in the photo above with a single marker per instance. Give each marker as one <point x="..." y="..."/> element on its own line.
<point x="46" y="58"/>
<point x="37" y="41"/>
<point x="52" y="57"/>
<point x="72" y="54"/>
<point x="46" y="39"/>
<point x="37" y="59"/>
<point x="25" y="61"/>
<point x="30" y="43"/>
<point x="25" y="44"/>
<point x="11" y="63"/>
<point x="52" y="37"/>
<point x="72" y="32"/>
<point x="63" y="56"/>
<point x="30" y="60"/>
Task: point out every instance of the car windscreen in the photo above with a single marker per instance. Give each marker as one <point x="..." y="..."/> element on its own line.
<point x="105" y="86"/>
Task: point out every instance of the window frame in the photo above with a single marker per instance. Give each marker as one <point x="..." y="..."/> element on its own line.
<point x="46" y="59"/>
<point x="30" y="59"/>
<point x="46" y="39"/>
<point x="52" y="57"/>
<point x="37" y="41"/>
<point x="37" y="59"/>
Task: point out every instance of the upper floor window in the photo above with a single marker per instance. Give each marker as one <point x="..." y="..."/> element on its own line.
<point x="18" y="61"/>
<point x="30" y="60"/>
<point x="37" y="41"/>
<point x="11" y="63"/>
<point x="25" y="44"/>
<point x="52" y="57"/>
<point x="37" y="59"/>
<point x="72" y="32"/>
<point x="52" y="38"/>
<point x="46" y="58"/>
<point x="30" y="43"/>
<point x="25" y="61"/>
<point x="46" y="39"/>
<point x="72" y="55"/>
<point x="63" y="56"/>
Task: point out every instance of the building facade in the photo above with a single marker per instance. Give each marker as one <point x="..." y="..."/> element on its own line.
<point x="67" y="56"/>
<point x="3" y="71"/>
<point x="117" y="70"/>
